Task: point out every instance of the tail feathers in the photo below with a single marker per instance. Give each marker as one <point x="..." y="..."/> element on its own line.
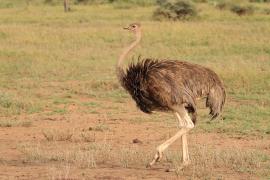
<point x="215" y="101"/>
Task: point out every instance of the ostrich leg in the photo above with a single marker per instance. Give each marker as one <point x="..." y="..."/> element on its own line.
<point x="186" y="160"/>
<point x="186" y="125"/>
<point x="185" y="155"/>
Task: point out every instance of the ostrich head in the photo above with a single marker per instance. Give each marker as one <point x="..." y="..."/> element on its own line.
<point x="134" y="27"/>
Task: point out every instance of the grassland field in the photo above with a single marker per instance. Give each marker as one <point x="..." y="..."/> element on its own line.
<point x="64" y="115"/>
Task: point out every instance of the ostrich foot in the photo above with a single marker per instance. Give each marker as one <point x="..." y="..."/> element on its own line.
<point x="157" y="158"/>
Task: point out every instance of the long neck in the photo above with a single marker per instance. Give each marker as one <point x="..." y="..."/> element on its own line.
<point x="128" y="49"/>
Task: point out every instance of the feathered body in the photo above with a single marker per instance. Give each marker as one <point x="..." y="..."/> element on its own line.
<point x="158" y="85"/>
<point x="170" y="85"/>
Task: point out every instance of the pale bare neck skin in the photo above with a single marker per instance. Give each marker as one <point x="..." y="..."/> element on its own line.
<point x="129" y="48"/>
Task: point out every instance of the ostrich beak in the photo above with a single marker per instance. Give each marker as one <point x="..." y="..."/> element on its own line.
<point x="126" y="28"/>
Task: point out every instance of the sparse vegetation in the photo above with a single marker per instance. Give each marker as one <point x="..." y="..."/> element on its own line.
<point x="57" y="73"/>
<point x="204" y="159"/>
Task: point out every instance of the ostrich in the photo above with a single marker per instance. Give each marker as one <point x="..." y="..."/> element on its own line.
<point x="171" y="86"/>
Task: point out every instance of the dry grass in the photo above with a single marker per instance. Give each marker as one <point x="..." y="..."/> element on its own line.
<point x="100" y="127"/>
<point x="63" y="173"/>
<point x="15" y="123"/>
<point x="205" y="160"/>
<point x="88" y="137"/>
<point x="133" y="157"/>
<point x="58" y="135"/>
<point x="86" y="155"/>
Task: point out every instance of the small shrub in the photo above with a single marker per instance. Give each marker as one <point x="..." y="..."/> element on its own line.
<point x="266" y="11"/>
<point x="242" y="9"/>
<point x="222" y="5"/>
<point x="179" y="10"/>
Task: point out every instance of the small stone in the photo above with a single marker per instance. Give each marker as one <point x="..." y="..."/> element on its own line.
<point x="135" y="141"/>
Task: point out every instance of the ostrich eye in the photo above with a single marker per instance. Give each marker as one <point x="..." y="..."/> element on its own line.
<point x="133" y="26"/>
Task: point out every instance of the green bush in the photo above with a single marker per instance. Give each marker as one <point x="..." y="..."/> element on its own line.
<point x="177" y="10"/>
<point x="242" y="9"/>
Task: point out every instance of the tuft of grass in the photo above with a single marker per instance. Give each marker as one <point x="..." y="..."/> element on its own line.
<point x="100" y="127"/>
<point x="10" y="105"/>
<point x="15" y="123"/>
<point x="88" y="137"/>
<point x="58" y="135"/>
<point x="7" y="102"/>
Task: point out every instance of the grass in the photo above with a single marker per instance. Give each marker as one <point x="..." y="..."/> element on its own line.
<point x="14" y="123"/>
<point x="77" y="55"/>
<point x="204" y="159"/>
<point x="99" y="127"/>
<point x="51" y="61"/>
<point x="58" y="135"/>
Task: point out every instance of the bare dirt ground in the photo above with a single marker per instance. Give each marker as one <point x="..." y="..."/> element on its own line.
<point x="119" y="132"/>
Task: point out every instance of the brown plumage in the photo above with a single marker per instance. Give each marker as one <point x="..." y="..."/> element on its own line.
<point x="161" y="85"/>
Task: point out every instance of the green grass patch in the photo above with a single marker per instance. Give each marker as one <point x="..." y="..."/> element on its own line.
<point x="75" y="54"/>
